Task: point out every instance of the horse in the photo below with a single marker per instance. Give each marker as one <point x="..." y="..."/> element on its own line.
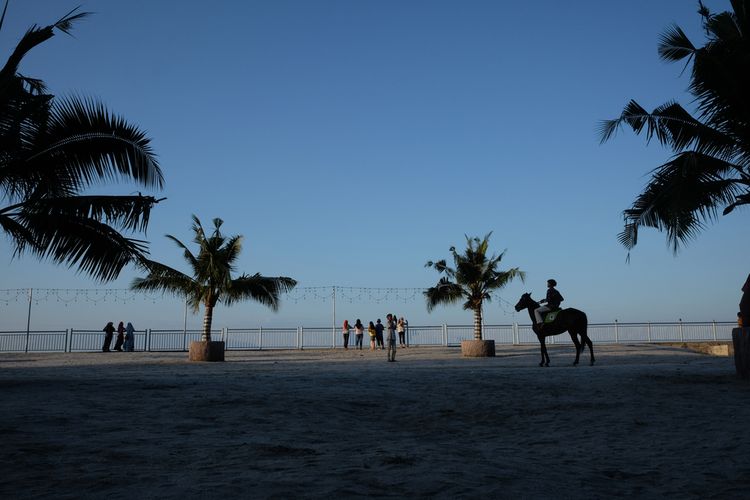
<point x="571" y="320"/>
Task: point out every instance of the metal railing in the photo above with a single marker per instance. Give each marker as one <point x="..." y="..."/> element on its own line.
<point x="239" y="339"/>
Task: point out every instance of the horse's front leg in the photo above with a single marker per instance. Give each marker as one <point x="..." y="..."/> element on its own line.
<point x="545" y="355"/>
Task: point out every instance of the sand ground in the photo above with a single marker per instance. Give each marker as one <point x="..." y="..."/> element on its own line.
<point x="646" y="421"/>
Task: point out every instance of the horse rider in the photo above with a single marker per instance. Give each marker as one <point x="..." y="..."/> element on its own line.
<point x="552" y="300"/>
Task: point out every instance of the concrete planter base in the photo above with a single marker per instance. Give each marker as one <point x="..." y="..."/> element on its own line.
<point x="478" y="348"/>
<point x="206" y="351"/>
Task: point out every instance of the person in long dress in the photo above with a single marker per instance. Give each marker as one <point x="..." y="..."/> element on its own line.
<point x="109" y="331"/>
<point x="129" y="337"/>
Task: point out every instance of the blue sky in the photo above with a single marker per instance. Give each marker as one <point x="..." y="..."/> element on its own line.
<point x="350" y="142"/>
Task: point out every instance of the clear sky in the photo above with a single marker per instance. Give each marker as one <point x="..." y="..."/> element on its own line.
<point x="350" y="142"/>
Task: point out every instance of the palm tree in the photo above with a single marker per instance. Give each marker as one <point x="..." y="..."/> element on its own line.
<point x="473" y="279"/>
<point x="710" y="169"/>
<point x="211" y="281"/>
<point x="51" y="153"/>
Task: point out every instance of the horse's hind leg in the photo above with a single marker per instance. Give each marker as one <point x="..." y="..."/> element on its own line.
<point x="579" y="346"/>
<point x="587" y="340"/>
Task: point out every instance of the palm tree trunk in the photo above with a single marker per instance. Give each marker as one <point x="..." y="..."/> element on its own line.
<point x="478" y="323"/>
<point x="207" y="320"/>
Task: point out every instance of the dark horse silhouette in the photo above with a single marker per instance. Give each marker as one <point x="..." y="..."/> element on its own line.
<point x="568" y="320"/>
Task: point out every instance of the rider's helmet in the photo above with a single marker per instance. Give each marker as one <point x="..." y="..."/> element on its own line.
<point x="552" y="282"/>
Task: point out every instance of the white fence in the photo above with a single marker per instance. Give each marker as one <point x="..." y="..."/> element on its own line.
<point x="238" y="339"/>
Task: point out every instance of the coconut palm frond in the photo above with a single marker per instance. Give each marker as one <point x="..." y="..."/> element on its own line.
<point x="743" y="199"/>
<point x="674" y="45"/>
<point x="262" y="289"/>
<point x="85" y="143"/>
<point x="444" y="293"/>
<point x="682" y="195"/>
<point x="90" y="246"/>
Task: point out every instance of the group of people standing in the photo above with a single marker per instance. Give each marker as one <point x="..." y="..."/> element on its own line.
<point x="125" y="337"/>
<point x="375" y="332"/>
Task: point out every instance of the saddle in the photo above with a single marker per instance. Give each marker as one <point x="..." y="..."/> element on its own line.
<point x="551" y="316"/>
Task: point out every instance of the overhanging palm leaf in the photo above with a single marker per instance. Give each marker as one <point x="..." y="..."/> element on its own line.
<point x="680" y="199"/>
<point x="711" y="167"/>
<point x="211" y="281"/>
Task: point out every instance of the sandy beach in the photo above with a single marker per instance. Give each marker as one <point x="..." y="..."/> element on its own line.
<point x="646" y="421"/>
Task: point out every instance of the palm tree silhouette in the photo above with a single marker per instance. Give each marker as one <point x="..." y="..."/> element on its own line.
<point x="211" y="281"/>
<point x="473" y="279"/>
<point x="51" y="152"/>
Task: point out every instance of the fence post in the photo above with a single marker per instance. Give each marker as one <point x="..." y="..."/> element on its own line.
<point x="70" y="349"/>
<point x="713" y="327"/>
<point x="260" y="338"/>
<point x="649" y="332"/>
<point x="682" y="338"/>
<point x="66" y="347"/>
<point x="147" y="346"/>
<point x="445" y="335"/>
<point x="617" y="333"/>
<point x="28" y="319"/>
<point x="515" y="333"/>
<point x="301" y="338"/>
<point x="225" y="337"/>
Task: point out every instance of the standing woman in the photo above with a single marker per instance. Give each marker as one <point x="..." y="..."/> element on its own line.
<point x="401" y="329"/>
<point x="359" y="330"/>
<point x="373" y="333"/>
<point x="109" y="331"/>
<point x="345" y="330"/>
<point x="120" y="337"/>
<point x="129" y="337"/>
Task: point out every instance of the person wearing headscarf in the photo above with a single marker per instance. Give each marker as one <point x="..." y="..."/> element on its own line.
<point x="120" y="336"/>
<point x="129" y="337"/>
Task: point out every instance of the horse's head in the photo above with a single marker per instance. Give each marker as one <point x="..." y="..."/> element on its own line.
<point x="524" y="302"/>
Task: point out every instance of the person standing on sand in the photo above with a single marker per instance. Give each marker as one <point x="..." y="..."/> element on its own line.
<point x="129" y="337"/>
<point x="120" y="336"/>
<point x="359" y="330"/>
<point x="391" y="318"/>
<point x="109" y="331"/>
<point x="373" y="335"/>
<point x="379" y="334"/>
<point x="346" y="330"/>
<point x="401" y="329"/>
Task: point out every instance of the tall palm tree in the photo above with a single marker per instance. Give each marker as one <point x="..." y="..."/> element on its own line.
<point x="211" y="281"/>
<point x="710" y="169"/>
<point x="473" y="279"/>
<point x="51" y="152"/>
